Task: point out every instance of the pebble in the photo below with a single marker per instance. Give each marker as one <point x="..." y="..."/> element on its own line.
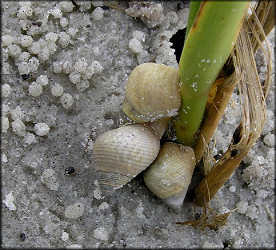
<point x="64" y="236"/>
<point x="18" y="127"/>
<point x="42" y="80"/>
<point x="97" y="14"/>
<point x="57" y="90"/>
<point x="41" y="129"/>
<point x="35" y="89"/>
<point x="74" y="211"/>
<point x="242" y="207"/>
<point x="4" y="158"/>
<point x="9" y="199"/>
<point x="49" y="179"/>
<point x="6" y="90"/>
<point x="135" y="45"/>
<point x="5" y="124"/>
<point x="66" y="100"/>
<point x="100" y="233"/>
<point x="269" y="140"/>
<point x="26" y="41"/>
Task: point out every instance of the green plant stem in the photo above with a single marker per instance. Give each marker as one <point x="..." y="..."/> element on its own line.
<point x="193" y="9"/>
<point x="206" y="49"/>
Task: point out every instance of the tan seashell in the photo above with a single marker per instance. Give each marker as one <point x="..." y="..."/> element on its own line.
<point x="160" y="126"/>
<point x="152" y="92"/>
<point x="122" y="153"/>
<point x="169" y="176"/>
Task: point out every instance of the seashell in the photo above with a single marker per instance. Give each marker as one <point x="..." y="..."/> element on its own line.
<point x="152" y="92"/>
<point x="160" y="126"/>
<point x="122" y="153"/>
<point x="169" y="176"/>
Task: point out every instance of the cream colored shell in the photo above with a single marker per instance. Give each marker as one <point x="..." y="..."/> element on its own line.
<point x="169" y="176"/>
<point x="152" y="92"/>
<point x="121" y="154"/>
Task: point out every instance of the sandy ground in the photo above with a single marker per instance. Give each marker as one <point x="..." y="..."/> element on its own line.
<point x="64" y="73"/>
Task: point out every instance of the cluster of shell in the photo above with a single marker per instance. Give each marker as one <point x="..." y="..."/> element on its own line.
<point x="152" y="97"/>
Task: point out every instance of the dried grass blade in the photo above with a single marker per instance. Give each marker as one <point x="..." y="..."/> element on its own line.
<point x="252" y="98"/>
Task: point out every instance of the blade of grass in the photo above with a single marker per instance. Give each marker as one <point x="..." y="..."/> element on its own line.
<point x="261" y="17"/>
<point x="193" y="9"/>
<point x="208" y="45"/>
<point x="252" y="96"/>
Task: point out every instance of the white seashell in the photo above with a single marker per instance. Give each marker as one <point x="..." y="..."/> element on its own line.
<point x="122" y="153"/>
<point x="152" y="92"/>
<point x="169" y="176"/>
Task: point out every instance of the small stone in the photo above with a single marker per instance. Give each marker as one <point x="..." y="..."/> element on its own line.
<point x="72" y="32"/>
<point x="89" y="72"/>
<point x="41" y="129"/>
<point x="56" y="13"/>
<point x="33" y="63"/>
<point x="6" y="69"/>
<point x="64" y="236"/>
<point x="66" y="6"/>
<point x="66" y="100"/>
<point x="9" y="199"/>
<point x="51" y="36"/>
<point x="64" y="39"/>
<point x="80" y="65"/>
<point x="69" y="170"/>
<point x="25" y="77"/>
<point x="34" y="48"/>
<point x="57" y="90"/>
<point x="22" y="237"/>
<point x="42" y="80"/>
<point x="252" y="212"/>
<point x="6" y="90"/>
<point x="26" y="41"/>
<point x="75" y="77"/>
<point x="18" y="127"/>
<point x="49" y="179"/>
<point x="63" y="22"/>
<point x="14" y="50"/>
<point x="24" y="12"/>
<point x="4" y="158"/>
<point x="101" y="234"/>
<point x="97" y="14"/>
<point x="103" y="206"/>
<point x="52" y="47"/>
<point x="17" y="113"/>
<point x="7" y="40"/>
<point x="5" y="124"/>
<point x="242" y="207"/>
<point x="135" y="45"/>
<point x="232" y="189"/>
<point x="23" y="68"/>
<point x="67" y="67"/>
<point x="97" y="67"/>
<point x="29" y="138"/>
<point x="82" y="85"/>
<point x="44" y="54"/>
<point x="269" y="140"/>
<point x="23" y="57"/>
<point x="97" y="193"/>
<point x="74" y="211"/>
<point x="139" y="35"/>
<point x="35" y="89"/>
<point x="57" y="67"/>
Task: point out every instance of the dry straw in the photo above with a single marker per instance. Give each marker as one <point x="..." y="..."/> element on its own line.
<point x="252" y="100"/>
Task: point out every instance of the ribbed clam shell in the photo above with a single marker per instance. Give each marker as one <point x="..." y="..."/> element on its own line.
<point x="152" y="92"/>
<point x="121" y="154"/>
<point x="170" y="174"/>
